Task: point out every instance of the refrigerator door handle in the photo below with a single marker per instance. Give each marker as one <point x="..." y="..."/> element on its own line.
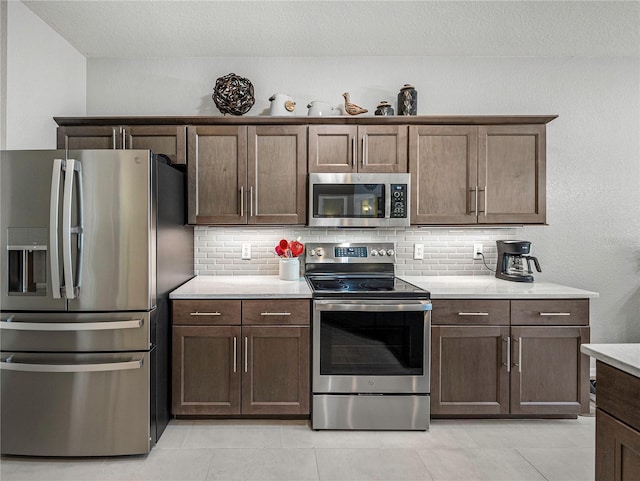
<point x="107" y="366"/>
<point x="71" y="166"/>
<point x="70" y="326"/>
<point x="54" y="207"/>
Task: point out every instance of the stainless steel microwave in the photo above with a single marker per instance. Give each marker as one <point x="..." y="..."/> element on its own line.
<point x="359" y="200"/>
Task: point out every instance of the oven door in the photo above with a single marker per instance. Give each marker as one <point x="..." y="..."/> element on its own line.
<point x="371" y="346"/>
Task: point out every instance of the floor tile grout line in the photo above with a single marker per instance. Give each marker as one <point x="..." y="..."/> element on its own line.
<point x="517" y="450"/>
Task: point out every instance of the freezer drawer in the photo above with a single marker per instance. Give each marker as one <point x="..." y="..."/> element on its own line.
<point x="72" y="332"/>
<point x="75" y="404"/>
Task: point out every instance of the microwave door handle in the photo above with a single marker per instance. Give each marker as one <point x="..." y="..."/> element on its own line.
<point x="54" y="207"/>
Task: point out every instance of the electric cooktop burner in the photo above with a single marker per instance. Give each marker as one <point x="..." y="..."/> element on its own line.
<point x="379" y="288"/>
<point x="365" y="270"/>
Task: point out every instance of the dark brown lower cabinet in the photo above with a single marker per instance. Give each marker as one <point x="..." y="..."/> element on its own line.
<point x="482" y="363"/>
<point x="206" y="375"/>
<point x="469" y="370"/>
<point x="233" y="357"/>
<point x="617" y="449"/>
<point x="617" y="424"/>
<point x="275" y="376"/>
<point x="548" y="374"/>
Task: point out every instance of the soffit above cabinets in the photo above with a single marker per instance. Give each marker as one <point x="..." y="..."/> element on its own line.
<point x="310" y="28"/>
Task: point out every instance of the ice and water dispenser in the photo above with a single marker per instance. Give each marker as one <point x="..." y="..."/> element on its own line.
<point x="27" y="251"/>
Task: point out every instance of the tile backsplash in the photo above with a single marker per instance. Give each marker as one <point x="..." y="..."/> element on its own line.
<point x="447" y="250"/>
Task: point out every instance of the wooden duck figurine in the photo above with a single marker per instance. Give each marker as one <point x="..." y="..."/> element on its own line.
<point x="351" y="108"/>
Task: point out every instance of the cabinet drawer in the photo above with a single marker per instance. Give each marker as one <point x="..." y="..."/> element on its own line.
<point x="618" y="394"/>
<point x="277" y="311"/>
<point x="470" y="311"/>
<point x="210" y="312"/>
<point x="547" y="312"/>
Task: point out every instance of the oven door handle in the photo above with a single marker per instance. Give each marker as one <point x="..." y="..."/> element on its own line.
<point x="372" y="305"/>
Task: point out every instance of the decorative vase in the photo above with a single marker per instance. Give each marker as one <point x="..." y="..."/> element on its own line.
<point x="289" y="269"/>
<point x="408" y="100"/>
<point x="384" y="108"/>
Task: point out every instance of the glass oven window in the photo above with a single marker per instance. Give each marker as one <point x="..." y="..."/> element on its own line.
<point x="348" y="200"/>
<point x="372" y="343"/>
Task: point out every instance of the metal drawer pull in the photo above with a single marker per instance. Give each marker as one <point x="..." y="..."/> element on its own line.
<point x="555" y="313"/>
<point x="206" y="314"/>
<point x="275" y="313"/>
<point x="70" y="326"/>
<point x="473" y="313"/>
<point x="113" y="366"/>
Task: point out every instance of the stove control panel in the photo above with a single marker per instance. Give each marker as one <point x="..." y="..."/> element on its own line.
<point x="358" y="252"/>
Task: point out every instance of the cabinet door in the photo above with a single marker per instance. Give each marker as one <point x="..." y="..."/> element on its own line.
<point x="275" y="370"/>
<point x="512" y="174"/>
<point x="382" y="148"/>
<point x="469" y="370"/>
<point x="549" y="375"/>
<point x="443" y="166"/>
<point x="277" y="169"/>
<point x="332" y="148"/>
<point x="617" y="449"/>
<point x="217" y="173"/>
<point x="206" y="370"/>
<point x="89" y="137"/>
<point x="160" y="139"/>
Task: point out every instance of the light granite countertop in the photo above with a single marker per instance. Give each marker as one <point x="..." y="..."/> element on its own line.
<point x="441" y="287"/>
<point x="625" y="357"/>
<point x="241" y="287"/>
<point x="490" y="287"/>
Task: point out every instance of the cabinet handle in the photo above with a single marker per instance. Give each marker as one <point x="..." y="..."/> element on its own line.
<point x="353" y="152"/>
<point x="241" y="200"/>
<point x="473" y="313"/>
<point x="251" y="201"/>
<point x="474" y="190"/>
<point x="519" y="363"/>
<point x="554" y="313"/>
<point x="113" y="138"/>
<point x="235" y="354"/>
<point x="363" y="150"/>
<point x="246" y="357"/>
<point x="507" y="340"/>
<point x="206" y="314"/>
<point x="124" y="138"/>
<point x="485" y="200"/>
<point x="275" y="313"/>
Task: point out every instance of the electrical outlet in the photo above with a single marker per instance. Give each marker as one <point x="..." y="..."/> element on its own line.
<point x="246" y="251"/>
<point x="477" y="250"/>
<point x="418" y="251"/>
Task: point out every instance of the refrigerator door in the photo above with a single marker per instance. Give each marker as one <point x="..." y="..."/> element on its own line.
<point x="76" y="332"/>
<point x="31" y="194"/>
<point x="110" y="257"/>
<point x="75" y="404"/>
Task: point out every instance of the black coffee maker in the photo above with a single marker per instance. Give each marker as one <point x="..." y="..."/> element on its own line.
<point x="512" y="256"/>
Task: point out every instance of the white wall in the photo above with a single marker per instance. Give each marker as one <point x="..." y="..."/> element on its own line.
<point x="593" y="148"/>
<point x="45" y="77"/>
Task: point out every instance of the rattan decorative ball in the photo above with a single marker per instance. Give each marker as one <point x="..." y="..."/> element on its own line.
<point x="233" y="94"/>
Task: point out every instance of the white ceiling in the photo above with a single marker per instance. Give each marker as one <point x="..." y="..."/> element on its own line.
<point x="311" y="28"/>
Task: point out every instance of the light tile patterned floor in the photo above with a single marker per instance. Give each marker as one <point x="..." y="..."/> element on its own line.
<point x="464" y="450"/>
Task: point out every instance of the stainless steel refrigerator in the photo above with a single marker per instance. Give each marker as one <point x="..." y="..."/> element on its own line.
<point x="92" y="242"/>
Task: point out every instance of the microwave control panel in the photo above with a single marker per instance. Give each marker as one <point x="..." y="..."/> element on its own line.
<point x="399" y="201"/>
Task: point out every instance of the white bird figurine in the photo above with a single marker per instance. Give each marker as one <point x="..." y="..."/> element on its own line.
<point x="351" y="108"/>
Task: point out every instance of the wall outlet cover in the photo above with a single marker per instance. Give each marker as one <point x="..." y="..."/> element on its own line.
<point x="246" y="251"/>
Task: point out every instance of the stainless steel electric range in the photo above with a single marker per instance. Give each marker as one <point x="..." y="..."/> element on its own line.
<point x="371" y="338"/>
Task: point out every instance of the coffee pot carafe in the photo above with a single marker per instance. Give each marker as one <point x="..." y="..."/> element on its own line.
<point x="514" y="261"/>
